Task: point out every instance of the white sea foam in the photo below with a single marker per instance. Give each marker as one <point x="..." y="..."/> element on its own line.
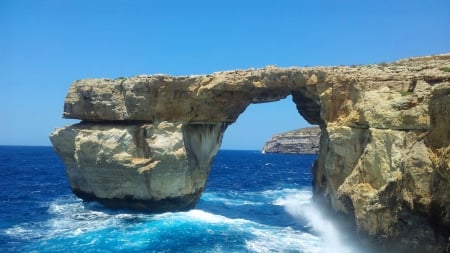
<point x="197" y="215"/>
<point x="72" y="218"/>
<point x="274" y="239"/>
<point x="256" y="198"/>
<point x="207" y="217"/>
<point x="23" y="232"/>
<point x="69" y="217"/>
<point x="286" y="197"/>
<point x="264" y="238"/>
<point x="239" y="200"/>
<point x="296" y="206"/>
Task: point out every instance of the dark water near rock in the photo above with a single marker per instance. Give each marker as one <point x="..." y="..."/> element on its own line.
<point x="253" y="203"/>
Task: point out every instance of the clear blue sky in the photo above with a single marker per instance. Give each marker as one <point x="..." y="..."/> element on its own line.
<point x="46" y="45"/>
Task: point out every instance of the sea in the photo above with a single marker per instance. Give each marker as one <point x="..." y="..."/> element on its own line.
<point x="253" y="202"/>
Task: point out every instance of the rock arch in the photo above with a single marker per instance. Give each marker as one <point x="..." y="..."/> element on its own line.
<point x="147" y="142"/>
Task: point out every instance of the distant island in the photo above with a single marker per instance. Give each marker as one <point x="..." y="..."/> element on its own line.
<point x="299" y="141"/>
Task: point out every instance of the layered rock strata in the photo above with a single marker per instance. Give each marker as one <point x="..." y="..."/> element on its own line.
<point x="156" y="167"/>
<point x="300" y="141"/>
<point x="147" y="142"/>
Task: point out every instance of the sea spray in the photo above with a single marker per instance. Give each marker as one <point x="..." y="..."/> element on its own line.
<point x="304" y="211"/>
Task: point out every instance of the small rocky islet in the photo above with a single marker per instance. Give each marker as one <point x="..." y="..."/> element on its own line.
<point x="303" y="141"/>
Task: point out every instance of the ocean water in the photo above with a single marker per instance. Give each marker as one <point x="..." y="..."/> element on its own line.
<point x="253" y="202"/>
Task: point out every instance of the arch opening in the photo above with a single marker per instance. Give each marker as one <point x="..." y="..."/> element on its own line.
<point x="259" y="122"/>
<point x="273" y="176"/>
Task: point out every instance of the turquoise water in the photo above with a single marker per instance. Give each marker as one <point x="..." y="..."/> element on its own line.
<point x="253" y="202"/>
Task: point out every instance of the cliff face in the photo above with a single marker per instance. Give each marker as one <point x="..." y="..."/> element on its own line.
<point x="157" y="167"/>
<point x="300" y="141"/>
<point x="147" y="142"/>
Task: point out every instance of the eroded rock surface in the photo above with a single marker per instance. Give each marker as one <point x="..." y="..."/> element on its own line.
<point x="155" y="167"/>
<point x="147" y="142"/>
<point x="300" y="141"/>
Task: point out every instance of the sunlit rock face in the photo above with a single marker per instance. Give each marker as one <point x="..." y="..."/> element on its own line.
<point x="148" y="142"/>
<point x="153" y="167"/>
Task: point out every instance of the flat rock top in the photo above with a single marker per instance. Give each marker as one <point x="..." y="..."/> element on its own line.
<point x="302" y="132"/>
<point x="222" y="96"/>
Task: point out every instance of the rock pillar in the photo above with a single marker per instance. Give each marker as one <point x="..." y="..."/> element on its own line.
<point x="152" y="167"/>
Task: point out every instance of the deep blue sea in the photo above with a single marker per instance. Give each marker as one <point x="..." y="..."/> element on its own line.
<point x="253" y="202"/>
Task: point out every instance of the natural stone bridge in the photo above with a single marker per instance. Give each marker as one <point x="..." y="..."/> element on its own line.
<point x="148" y="142"/>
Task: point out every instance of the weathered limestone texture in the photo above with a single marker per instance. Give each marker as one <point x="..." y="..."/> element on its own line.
<point x="148" y="142"/>
<point x="300" y="141"/>
<point x="158" y="167"/>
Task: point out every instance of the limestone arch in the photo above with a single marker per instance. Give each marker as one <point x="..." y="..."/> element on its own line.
<point x="390" y="131"/>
